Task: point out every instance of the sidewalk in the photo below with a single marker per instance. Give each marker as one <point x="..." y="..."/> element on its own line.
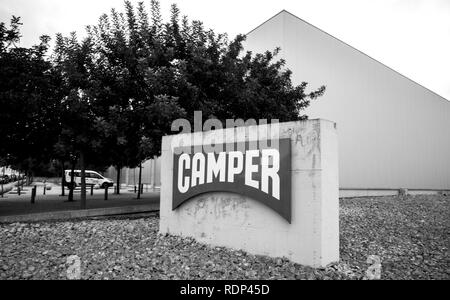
<point x="5" y="188"/>
<point x="13" y="204"/>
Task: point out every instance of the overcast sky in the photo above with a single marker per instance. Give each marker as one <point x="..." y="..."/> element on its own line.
<point x="410" y="36"/>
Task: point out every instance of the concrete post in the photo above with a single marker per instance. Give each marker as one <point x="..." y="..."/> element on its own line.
<point x="33" y="195"/>
<point x="106" y="193"/>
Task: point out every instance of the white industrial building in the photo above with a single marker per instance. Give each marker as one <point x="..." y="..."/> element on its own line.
<point x="393" y="133"/>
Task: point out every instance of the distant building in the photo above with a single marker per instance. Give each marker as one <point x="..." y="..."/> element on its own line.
<point x="151" y="174"/>
<point x="393" y="133"/>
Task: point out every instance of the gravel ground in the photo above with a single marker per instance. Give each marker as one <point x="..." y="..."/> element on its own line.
<point x="410" y="236"/>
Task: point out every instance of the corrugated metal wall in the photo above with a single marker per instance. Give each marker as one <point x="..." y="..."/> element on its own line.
<point x="392" y="132"/>
<point x="151" y="173"/>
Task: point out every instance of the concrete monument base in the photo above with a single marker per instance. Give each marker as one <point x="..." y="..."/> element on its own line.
<point x="239" y="222"/>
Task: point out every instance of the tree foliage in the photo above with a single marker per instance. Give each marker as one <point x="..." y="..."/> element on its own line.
<point x="110" y="97"/>
<point x="29" y="97"/>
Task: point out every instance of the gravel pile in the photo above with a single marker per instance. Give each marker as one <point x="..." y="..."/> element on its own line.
<point x="409" y="235"/>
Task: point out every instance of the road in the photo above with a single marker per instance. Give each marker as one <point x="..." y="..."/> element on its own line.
<point x="13" y="204"/>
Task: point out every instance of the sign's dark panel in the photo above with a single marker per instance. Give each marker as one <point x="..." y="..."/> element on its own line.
<point x="261" y="173"/>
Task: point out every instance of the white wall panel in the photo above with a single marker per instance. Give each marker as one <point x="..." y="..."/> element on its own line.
<point x="392" y="132"/>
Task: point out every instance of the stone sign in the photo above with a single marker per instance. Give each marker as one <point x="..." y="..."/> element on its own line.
<point x="278" y="198"/>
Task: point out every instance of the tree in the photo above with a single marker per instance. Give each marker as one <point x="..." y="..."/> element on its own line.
<point x="29" y="95"/>
<point x="154" y="72"/>
<point x="191" y="69"/>
<point x="79" y="123"/>
<point x="127" y="47"/>
<point x="109" y="98"/>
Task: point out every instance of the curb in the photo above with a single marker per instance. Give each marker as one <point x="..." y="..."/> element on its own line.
<point x="75" y="214"/>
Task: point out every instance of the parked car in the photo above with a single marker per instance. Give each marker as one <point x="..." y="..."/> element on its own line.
<point x="92" y="178"/>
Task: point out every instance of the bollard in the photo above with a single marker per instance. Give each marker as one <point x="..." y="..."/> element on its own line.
<point x="33" y="195"/>
<point x="92" y="189"/>
<point x="44" y="189"/>
<point x="18" y="189"/>
<point x="106" y="193"/>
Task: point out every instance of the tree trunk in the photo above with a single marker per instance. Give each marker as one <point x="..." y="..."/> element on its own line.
<point x="72" y="181"/>
<point x="140" y="181"/>
<point x="63" y="179"/>
<point x="83" y="182"/>
<point x="2" y="181"/>
<point x="118" y="168"/>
